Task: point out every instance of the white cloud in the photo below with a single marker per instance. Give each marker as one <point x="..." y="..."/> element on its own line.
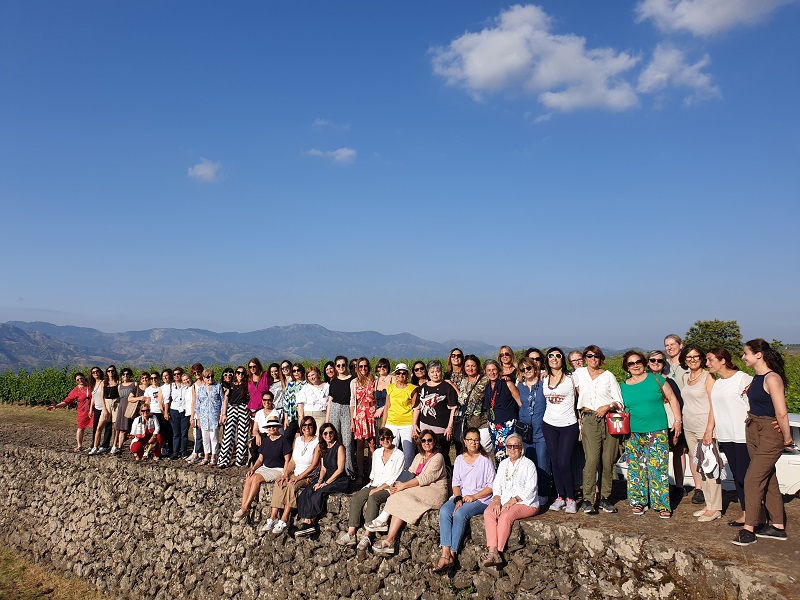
<point x="519" y="53"/>
<point x="205" y="171"/>
<point x="669" y="68"/>
<point x="341" y="155"/>
<point x="326" y="124"/>
<point x="705" y="17"/>
<point x="543" y="118"/>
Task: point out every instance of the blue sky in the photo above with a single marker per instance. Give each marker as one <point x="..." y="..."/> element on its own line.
<point x="561" y="172"/>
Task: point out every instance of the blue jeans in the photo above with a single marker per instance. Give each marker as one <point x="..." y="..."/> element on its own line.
<point x="537" y="452"/>
<point x="452" y="526"/>
<point x="180" y="432"/>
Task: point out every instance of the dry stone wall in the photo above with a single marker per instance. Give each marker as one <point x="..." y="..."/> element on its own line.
<point x="160" y="531"/>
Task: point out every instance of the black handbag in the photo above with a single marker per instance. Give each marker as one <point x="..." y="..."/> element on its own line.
<point x="525" y="431"/>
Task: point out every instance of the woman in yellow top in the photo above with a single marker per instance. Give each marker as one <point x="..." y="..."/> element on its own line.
<point x="398" y="414"/>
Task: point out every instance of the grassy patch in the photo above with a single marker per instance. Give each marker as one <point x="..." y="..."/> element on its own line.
<point x="23" y="580"/>
<point x="37" y="415"/>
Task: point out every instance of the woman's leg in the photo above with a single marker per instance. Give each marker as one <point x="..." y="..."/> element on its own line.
<point x="460" y="520"/>
<point x="658" y="470"/>
<point x="610" y="455"/>
<point x="228" y="438"/>
<point x="251" y="486"/>
<point x="175" y="423"/>
<point x="357" y="502"/>
<point x="490" y="526"/>
<point x="242" y="435"/>
<point x="636" y="448"/>
<point x="765" y="446"/>
<point x="446" y="526"/>
<point x="506" y="520"/>
<point x="567" y="442"/>
<point x="561" y="465"/>
<point x="738" y="460"/>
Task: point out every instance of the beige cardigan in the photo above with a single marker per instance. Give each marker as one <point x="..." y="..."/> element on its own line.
<point x="411" y="503"/>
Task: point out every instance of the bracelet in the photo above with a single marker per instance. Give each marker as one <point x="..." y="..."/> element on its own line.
<point x="457" y="499"/>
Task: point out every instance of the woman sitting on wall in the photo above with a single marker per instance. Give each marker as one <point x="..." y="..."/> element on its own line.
<point x="409" y="500"/>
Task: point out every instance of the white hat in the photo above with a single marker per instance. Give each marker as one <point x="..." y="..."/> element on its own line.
<point x="400" y="367"/>
<point x="272" y="421"/>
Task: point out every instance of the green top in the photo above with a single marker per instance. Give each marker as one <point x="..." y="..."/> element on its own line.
<point x="645" y="402"/>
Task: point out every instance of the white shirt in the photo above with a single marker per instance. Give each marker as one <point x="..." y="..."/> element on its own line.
<point x="518" y="479"/>
<point x="594" y="393"/>
<point x="140" y="427"/>
<point x="730" y="405"/>
<point x="303" y="453"/>
<point x="153" y="394"/>
<point x="168" y="393"/>
<point x="261" y="417"/>
<point x="179" y="398"/>
<point x="560" y="410"/>
<point x="386" y="473"/>
<point x="314" y="398"/>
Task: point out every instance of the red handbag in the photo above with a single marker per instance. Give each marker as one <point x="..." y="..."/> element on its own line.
<point x="618" y="422"/>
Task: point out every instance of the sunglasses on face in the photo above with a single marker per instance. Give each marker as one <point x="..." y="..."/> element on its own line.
<point x="296" y="371"/>
<point x="590" y="355"/>
<point x="341" y="366"/>
<point x="386" y="438"/>
<point x="328" y="432"/>
<point x="401" y="373"/>
<point x="227" y="374"/>
<point x="537" y="359"/>
<point x="472" y="440"/>
<point x="427" y="441"/>
<point x="304" y="425"/>
<point x="656" y="361"/>
<point x="456" y="356"/>
<point x="419" y="369"/>
<point x="363" y="367"/>
<point x="240" y="372"/>
<point x="526" y="369"/>
<point x="505" y="354"/>
<point x="553" y="355"/>
<point x="513" y="446"/>
<point x="634" y="363"/>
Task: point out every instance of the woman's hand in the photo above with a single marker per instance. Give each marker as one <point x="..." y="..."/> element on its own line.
<point x="600" y="413"/>
<point x="448" y="433"/>
<point x="496" y="506"/>
<point x="511" y="502"/>
<point x="319" y="485"/>
<point x="468" y="499"/>
<point x="222" y="419"/>
<point x="708" y="437"/>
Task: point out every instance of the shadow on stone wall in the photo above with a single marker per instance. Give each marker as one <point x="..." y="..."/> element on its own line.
<point x="87" y="517"/>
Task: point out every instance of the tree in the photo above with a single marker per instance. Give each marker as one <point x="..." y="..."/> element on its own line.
<point x="713" y="334"/>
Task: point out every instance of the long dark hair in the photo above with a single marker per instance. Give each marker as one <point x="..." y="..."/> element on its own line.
<point x="436" y="446"/>
<point x="107" y="379"/>
<point x="323" y="445"/>
<point x="477" y="432"/>
<point x="772" y="357"/>
<point x="725" y="357"/>
<point x="564" y="361"/>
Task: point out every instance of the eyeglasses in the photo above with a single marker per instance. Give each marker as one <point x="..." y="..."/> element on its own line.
<point x="153" y="376"/>
<point x="634" y="363"/>
<point x="456" y="355"/>
<point x="240" y="372"/>
<point x="228" y="374"/>
<point x="304" y="425"/>
<point x="177" y="373"/>
<point x="693" y="357"/>
<point x="208" y="377"/>
<point x="267" y="400"/>
<point x="505" y="354"/>
<point x="472" y="440"/>
<point x="553" y="355"/>
<point x="252" y="366"/>
<point x="286" y="368"/>
<point x="419" y="369"/>
<point x="427" y="441"/>
<point x="96" y="373"/>
<point x="656" y="361"/>
<point x="145" y="410"/>
<point x="526" y="369"/>
<point x="111" y="371"/>
<point x="513" y="446"/>
<point x="590" y="355"/>
<point x="383" y="367"/>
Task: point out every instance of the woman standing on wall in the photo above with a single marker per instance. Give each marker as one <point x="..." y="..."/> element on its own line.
<point x="531" y="412"/>
<point x="291" y="414"/>
<point x="768" y="434"/>
<point x="210" y="410"/>
<point x="471" y="391"/>
<point x="97" y="410"/>
<point x="502" y="402"/>
<point x="382" y="381"/>
<point x="237" y="423"/>
<point x="312" y="399"/>
<point x="257" y="384"/>
<point x="362" y="390"/>
<point x="127" y="393"/>
<point x="398" y="415"/>
<point x="508" y="370"/>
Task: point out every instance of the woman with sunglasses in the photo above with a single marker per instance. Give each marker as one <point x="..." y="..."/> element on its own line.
<point x="312" y="399"/>
<point x="473" y="476"/>
<point x="197" y="451"/>
<point x="409" y="500"/>
<point x="644" y="395"/>
<point x="257" y="383"/>
<point x="471" y="391"/>
<point x="560" y="427"/>
<point x="81" y="395"/>
<point x="656" y="363"/>
<point x="178" y="422"/>
<point x="726" y="419"/>
<point x="531" y="412"/>
<point x="435" y="409"/>
<point x="696" y="393"/>
<point x="272" y="463"/>
<point x="128" y="390"/>
<point x="98" y="408"/>
<point x="508" y="370"/>
<point x="305" y="460"/>
<point x="399" y="411"/>
<point x="514" y="496"/>
<point x="237" y="422"/>
<point x="598" y="393"/>
<point x="768" y="434"/>
<point x="502" y="402"/>
<point x="168" y="391"/>
<point x="332" y="480"/>
<point x="382" y="381"/>
<point x="145" y="431"/>
<point x="536" y="356"/>
<point x="210" y="410"/>
<point x="419" y="374"/>
<point x="291" y="412"/>
<point x="455" y="373"/>
<point x="387" y="465"/>
<point x="362" y="389"/>
<point x="342" y="409"/>
<point x="111" y="402"/>
<point x="276" y="387"/>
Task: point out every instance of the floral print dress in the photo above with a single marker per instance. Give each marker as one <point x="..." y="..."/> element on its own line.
<point x="364" y="418"/>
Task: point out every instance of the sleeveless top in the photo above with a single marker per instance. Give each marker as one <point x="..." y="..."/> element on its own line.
<point x="126" y="390"/>
<point x="760" y="401"/>
<point x="237" y="396"/>
<point x="111" y="392"/>
<point x="695" y="404"/>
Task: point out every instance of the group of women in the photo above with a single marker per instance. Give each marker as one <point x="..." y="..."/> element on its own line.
<point x="516" y="427"/>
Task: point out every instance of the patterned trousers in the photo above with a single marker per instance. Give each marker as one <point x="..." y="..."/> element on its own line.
<point x="648" y="469"/>
<point x="234" y="438"/>
<point x="499" y="432"/>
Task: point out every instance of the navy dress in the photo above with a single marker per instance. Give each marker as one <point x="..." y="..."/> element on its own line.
<point x="311" y="502"/>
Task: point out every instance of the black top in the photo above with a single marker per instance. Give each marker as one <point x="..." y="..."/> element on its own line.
<point x="340" y="390"/>
<point x="760" y="401"/>
<point x="435" y="402"/>
<point x="111" y="392"/>
<point x="505" y="408"/>
<point x="238" y="395"/>
<point x="274" y="451"/>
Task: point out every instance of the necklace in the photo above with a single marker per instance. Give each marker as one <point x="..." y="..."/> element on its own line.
<point x="305" y="446"/>
<point x="511" y="474"/>
<point x="691" y="379"/>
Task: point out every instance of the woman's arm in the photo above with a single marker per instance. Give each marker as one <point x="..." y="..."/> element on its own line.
<point x="386" y="407"/>
<point x="311" y="467"/>
<point x="257" y="464"/>
<point x="514" y="393"/>
<point x="776" y="391"/>
<point x="224" y="410"/>
<point x="676" y="410"/>
<point x="340" y="465"/>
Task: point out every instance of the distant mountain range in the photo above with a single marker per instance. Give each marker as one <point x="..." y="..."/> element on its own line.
<point x="26" y="345"/>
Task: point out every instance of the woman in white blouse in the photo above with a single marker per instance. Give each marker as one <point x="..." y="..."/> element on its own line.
<point x="312" y="399"/>
<point x="515" y="496"/>
<point x="598" y="393"/>
<point x="387" y="465"/>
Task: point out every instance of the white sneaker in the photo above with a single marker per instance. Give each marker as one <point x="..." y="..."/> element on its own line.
<point x="376" y="526"/>
<point x="280" y="527"/>
<point x="267" y="526"/>
<point x="346" y="539"/>
<point x="114" y="450"/>
<point x="92" y="451"/>
<point x="558" y="504"/>
<point x="571" y="508"/>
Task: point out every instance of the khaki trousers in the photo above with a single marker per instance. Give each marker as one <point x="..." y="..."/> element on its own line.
<point x="601" y="449"/>
<point x="712" y="489"/>
<point x="765" y="446"/>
